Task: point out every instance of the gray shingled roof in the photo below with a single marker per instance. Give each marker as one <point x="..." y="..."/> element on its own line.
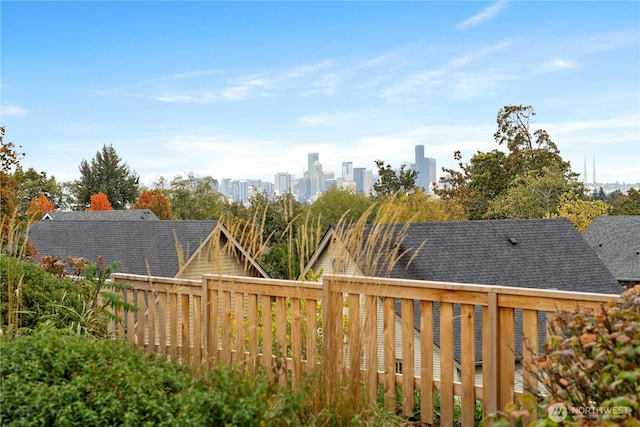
<point x="113" y="215"/>
<point x="616" y="240"/>
<point x="132" y="243"/>
<point x="536" y="253"/>
<point x="545" y="254"/>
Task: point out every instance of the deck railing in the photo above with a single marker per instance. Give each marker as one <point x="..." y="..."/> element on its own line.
<point x="399" y="335"/>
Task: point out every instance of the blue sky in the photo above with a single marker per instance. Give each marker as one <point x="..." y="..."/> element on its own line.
<point x="246" y="89"/>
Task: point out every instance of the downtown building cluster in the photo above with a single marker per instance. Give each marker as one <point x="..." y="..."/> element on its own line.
<point x="316" y="181"/>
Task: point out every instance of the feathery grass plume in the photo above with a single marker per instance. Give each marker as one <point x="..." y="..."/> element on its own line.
<point x="371" y="249"/>
<point x="14" y="239"/>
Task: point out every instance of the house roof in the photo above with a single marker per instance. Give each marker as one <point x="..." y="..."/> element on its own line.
<point x="112" y="215"/>
<point x="536" y="253"/>
<point x="528" y="253"/>
<point x="135" y="244"/>
<point x="616" y="240"/>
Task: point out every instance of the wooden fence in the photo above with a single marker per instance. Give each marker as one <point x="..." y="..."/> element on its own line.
<point x="357" y="329"/>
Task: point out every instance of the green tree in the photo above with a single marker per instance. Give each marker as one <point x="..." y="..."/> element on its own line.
<point x="455" y="188"/>
<point x="491" y="181"/>
<point x="391" y="182"/>
<point x="599" y="195"/>
<point x="535" y="194"/>
<point x="32" y="184"/>
<point x="622" y="204"/>
<point x="106" y="173"/>
<point x="527" y="151"/>
<point x="419" y="207"/>
<point x="335" y="204"/>
<point x="196" y="198"/>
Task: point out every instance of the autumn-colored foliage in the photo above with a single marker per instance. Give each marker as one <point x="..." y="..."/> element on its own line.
<point x="100" y="202"/>
<point x="156" y="201"/>
<point x="590" y="364"/>
<point x="580" y="212"/>
<point x="9" y="158"/>
<point x="39" y="206"/>
<point x="420" y="207"/>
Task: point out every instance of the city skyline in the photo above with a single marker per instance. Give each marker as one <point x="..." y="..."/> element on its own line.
<point x="244" y="90"/>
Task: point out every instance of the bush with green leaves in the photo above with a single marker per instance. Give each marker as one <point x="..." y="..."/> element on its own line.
<point x="590" y="366"/>
<point x="42" y="297"/>
<point x="38" y="296"/>
<point x="54" y="380"/>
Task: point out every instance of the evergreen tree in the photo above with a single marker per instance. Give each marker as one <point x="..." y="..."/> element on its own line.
<point x="106" y="173"/>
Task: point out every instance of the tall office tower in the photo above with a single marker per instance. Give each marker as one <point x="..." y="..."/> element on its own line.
<point x="311" y="159"/>
<point x="347" y="171"/>
<point x="367" y="181"/>
<point x="426" y="168"/>
<point x="282" y="183"/>
<point x="317" y="179"/>
<point x="358" y="178"/>
<point x="432" y="173"/>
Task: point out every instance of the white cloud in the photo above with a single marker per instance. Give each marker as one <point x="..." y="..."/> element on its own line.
<point x="326" y="84"/>
<point x="317" y="120"/>
<point x="484" y="15"/>
<point x="555" y="64"/>
<point x="303" y="70"/>
<point x="454" y="78"/>
<point x="13" y="110"/>
<point x="630" y="121"/>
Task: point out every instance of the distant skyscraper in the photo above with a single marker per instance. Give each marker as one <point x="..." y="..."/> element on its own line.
<point x="317" y="178"/>
<point x="283" y="183"/>
<point x="358" y="176"/>
<point x="347" y="171"/>
<point x="367" y="181"/>
<point x="311" y="159"/>
<point x="426" y="168"/>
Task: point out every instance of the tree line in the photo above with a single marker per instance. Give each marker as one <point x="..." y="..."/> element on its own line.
<point x="523" y="177"/>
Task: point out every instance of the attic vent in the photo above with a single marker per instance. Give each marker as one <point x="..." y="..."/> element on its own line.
<point x="513" y="240"/>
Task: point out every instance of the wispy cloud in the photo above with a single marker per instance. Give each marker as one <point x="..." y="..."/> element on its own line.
<point x="326" y="84"/>
<point x="13" y="110"/>
<point x="484" y="15"/>
<point x="238" y="89"/>
<point x="555" y="65"/>
<point x="453" y="78"/>
<point x="303" y="70"/>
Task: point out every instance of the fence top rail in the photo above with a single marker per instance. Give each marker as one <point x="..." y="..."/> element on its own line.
<point x="229" y="280"/>
<point x="346" y="283"/>
<point x="378" y="282"/>
<point x="123" y="277"/>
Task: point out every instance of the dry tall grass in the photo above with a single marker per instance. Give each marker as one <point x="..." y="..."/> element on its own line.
<point x="369" y="245"/>
<point x="14" y="240"/>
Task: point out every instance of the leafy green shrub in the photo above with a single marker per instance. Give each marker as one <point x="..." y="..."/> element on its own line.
<point x="590" y="366"/>
<point x="39" y="295"/>
<point x="44" y="297"/>
<point x="52" y="379"/>
<point x="70" y="380"/>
